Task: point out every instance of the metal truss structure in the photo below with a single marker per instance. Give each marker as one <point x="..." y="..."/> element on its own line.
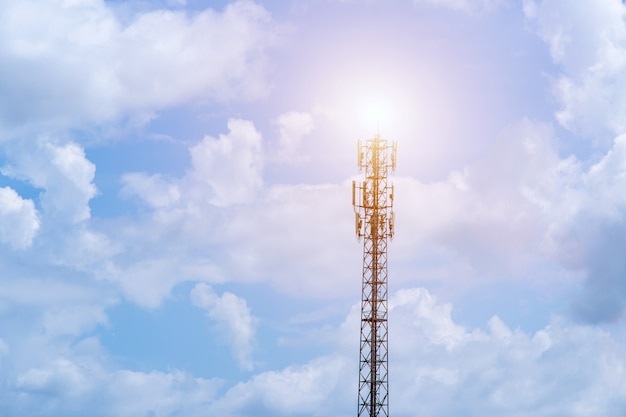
<point x="373" y="205"/>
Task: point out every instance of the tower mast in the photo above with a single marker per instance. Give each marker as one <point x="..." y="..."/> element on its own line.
<point x="373" y="205"/>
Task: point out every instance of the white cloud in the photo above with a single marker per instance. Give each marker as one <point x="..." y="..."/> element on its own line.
<point x="588" y="40"/>
<point x="293" y="127"/>
<point x="147" y="279"/>
<point x="502" y="371"/>
<point x="152" y="189"/>
<point x="74" y="319"/>
<point x="19" y="220"/>
<point x="499" y="208"/>
<point x="249" y="233"/>
<point x="427" y="317"/>
<point x="285" y="239"/>
<point x="189" y="213"/>
<point x="233" y="315"/>
<point x="70" y="385"/>
<point x="517" y="208"/>
<point x="520" y="203"/>
<point x="132" y="393"/>
<point x="45" y="318"/>
<point x="62" y="378"/>
<point x="61" y="169"/>
<point x="439" y="368"/>
<point x="588" y="237"/>
<point x="316" y="389"/>
<point x="66" y="63"/>
<point x="494" y="214"/>
<point x="19" y="292"/>
<point x="230" y="165"/>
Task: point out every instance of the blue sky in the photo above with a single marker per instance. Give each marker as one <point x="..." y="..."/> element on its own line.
<point x="175" y="223"/>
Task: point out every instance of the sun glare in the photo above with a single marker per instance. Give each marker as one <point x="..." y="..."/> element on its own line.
<point x="380" y="113"/>
<point x="374" y="113"/>
<point x="365" y="103"/>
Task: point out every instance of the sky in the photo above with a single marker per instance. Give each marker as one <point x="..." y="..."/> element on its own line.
<point x="176" y="228"/>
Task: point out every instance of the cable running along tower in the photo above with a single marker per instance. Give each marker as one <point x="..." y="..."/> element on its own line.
<point x="373" y="205"/>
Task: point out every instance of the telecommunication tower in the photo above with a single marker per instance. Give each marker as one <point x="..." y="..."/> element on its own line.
<point x="373" y="205"/>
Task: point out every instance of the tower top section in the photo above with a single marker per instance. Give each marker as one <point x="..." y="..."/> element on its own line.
<point x="383" y="148"/>
<point x="376" y="158"/>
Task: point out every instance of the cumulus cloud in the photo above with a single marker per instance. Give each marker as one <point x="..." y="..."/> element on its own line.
<point x="145" y="282"/>
<point x="588" y="41"/>
<point x="293" y="127"/>
<point x="19" y="220"/>
<point x="66" y="63"/>
<point x="225" y="170"/>
<point x="523" y="205"/>
<point x="69" y="386"/>
<point x="519" y="203"/>
<point x="62" y="378"/>
<point x="44" y="318"/>
<point x="493" y="214"/>
<point x="501" y="370"/>
<point x="428" y="318"/>
<point x="230" y="165"/>
<point x="153" y="189"/>
<point x="189" y="212"/>
<point x="73" y="319"/>
<point x="284" y="239"/>
<point x="317" y="388"/>
<point x="498" y="208"/>
<point x="281" y="237"/>
<point x="61" y="170"/>
<point x="145" y="273"/>
<point x="440" y="368"/>
<point x="233" y="315"/>
<point x="520" y="206"/>
<point x="249" y="232"/>
<point x="588" y="238"/>
<point x="18" y="293"/>
<point x="133" y="393"/>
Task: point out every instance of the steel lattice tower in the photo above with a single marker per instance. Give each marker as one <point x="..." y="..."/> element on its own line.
<point x="373" y="205"/>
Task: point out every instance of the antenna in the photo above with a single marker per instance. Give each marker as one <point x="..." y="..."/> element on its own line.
<point x="375" y="222"/>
